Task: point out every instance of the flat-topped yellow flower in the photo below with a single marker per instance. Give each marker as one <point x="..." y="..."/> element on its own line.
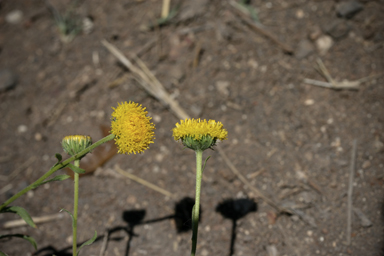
<point x="132" y="127"/>
<point x="199" y="134"/>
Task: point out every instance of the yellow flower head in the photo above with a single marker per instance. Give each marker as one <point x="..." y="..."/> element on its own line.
<point x="74" y="144"/>
<point x="132" y="128"/>
<point x="199" y="135"/>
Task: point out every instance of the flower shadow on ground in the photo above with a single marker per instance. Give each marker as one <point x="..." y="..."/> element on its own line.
<point x="235" y="209"/>
<point x="182" y="217"/>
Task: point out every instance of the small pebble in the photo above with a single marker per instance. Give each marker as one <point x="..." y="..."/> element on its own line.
<point x="156" y="169"/>
<point x="204" y="252"/>
<point x="309" y="102"/>
<point x="315" y="34"/>
<point x="366" y="164"/>
<point x="323" y="44"/>
<point x="378" y="145"/>
<point x="38" y="136"/>
<point x="272" y="250"/>
<point x="299" y="14"/>
<point x="263" y="69"/>
<point x="14" y="17"/>
<point x="69" y="239"/>
<point x="22" y="128"/>
<point x="222" y="88"/>
<point x="253" y="63"/>
<point x="131" y="200"/>
<point x="156" y="118"/>
<point x="365" y="222"/>
<point x="159" y="157"/>
<point x="87" y="25"/>
<point x="30" y="194"/>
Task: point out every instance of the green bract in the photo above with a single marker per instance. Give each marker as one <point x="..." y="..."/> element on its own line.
<point x="74" y="144"/>
<point x="202" y="144"/>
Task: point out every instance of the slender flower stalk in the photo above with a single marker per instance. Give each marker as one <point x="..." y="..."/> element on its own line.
<point x="72" y="145"/>
<point x="196" y="208"/>
<point x="198" y="135"/>
<point x="75" y="209"/>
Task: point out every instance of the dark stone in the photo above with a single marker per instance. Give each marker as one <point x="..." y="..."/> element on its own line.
<point x="304" y="49"/>
<point x="348" y="9"/>
<point x="8" y="80"/>
<point x="337" y="29"/>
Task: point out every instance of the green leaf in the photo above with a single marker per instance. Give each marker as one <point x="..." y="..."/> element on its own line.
<point x="76" y="169"/>
<point x="22" y="213"/>
<point x="31" y="240"/>
<point x="3" y="254"/>
<point x="73" y="219"/>
<point x="89" y="242"/>
<point x="205" y="164"/>
<point x="56" y="178"/>
<point x="28" y="238"/>
<point x="59" y="158"/>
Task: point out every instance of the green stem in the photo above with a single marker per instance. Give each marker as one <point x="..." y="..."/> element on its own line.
<point x="195" y="213"/>
<point x="75" y="206"/>
<point x="56" y="168"/>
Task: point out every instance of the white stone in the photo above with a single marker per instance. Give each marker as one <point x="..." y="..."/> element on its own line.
<point x="22" y="128"/>
<point x="14" y="17"/>
<point x="323" y="44"/>
<point x="309" y="102"/>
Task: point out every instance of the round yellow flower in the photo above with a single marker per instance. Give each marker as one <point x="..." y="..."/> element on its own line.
<point x="132" y="128"/>
<point x="199" y="134"/>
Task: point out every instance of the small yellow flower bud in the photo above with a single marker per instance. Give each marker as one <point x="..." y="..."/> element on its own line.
<point x="74" y="144"/>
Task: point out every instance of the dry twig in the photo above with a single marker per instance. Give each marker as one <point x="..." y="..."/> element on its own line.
<point x="165" y="8"/>
<point x="142" y="182"/>
<point x="147" y="80"/>
<point x="105" y="243"/>
<point x="337" y="85"/>
<point x="255" y="174"/>
<point x="37" y="220"/>
<point x="257" y="27"/>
